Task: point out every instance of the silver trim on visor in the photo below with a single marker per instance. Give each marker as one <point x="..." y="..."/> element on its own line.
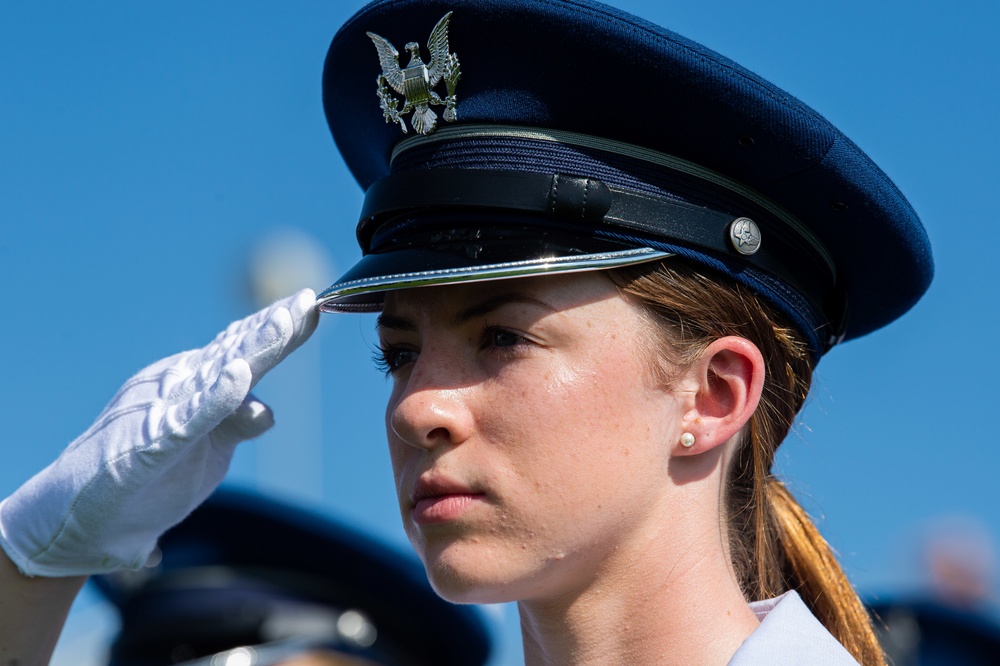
<point x="329" y="299"/>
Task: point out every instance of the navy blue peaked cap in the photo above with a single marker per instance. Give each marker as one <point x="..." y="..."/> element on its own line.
<point x="244" y="570"/>
<point x="579" y="137"/>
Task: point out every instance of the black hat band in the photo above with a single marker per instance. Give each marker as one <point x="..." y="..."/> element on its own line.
<point x="594" y="208"/>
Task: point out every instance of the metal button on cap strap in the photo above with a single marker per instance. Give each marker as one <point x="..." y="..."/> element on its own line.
<point x="744" y="234"/>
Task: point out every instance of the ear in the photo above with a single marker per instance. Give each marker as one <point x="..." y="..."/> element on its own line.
<point x="726" y="383"/>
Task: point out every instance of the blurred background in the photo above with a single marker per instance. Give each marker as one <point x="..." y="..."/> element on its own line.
<point x="166" y="167"/>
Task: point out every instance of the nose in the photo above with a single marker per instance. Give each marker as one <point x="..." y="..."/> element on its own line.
<point x="429" y="414"/>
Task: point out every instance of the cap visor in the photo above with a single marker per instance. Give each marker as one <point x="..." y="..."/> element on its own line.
<point x="363" y="287"/>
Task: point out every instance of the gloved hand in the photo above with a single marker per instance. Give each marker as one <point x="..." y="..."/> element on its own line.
<point x="156" y="451"/>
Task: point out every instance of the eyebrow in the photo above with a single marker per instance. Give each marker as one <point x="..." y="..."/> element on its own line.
<point x="393" y="322"/>
<point x="492" y="304"/>
<point x="396" y="323"/>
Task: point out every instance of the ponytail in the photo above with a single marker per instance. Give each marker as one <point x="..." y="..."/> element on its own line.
<point x="812" y="569"/>
<point x="774" y="545"/>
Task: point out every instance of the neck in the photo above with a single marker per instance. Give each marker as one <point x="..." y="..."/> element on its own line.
<point x="660" y="601"/>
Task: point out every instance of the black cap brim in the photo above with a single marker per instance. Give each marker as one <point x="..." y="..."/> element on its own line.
<point x="481" y="254"/>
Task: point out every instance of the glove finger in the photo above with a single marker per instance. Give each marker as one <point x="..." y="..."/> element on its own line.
<point x="264" y="347"/>
<point x="226" y="339"/>
<point x="302" y="306"/>
<point x="204" y="410"/>
<point x="305" y="315"/>
<point x="251" y="419"/>
<point x="261" y="348"/>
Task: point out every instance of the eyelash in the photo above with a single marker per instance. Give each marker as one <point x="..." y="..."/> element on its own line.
<point x="386" y="357"/>
<point x="489" y="337"/>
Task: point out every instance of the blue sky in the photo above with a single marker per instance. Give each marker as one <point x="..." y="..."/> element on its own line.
<point x="147" y="148"/>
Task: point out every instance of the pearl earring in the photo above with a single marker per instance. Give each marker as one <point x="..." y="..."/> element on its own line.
<point x="687" y="440"/>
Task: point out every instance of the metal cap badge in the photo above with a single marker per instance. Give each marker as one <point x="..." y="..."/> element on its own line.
<point x="417" y="80"/>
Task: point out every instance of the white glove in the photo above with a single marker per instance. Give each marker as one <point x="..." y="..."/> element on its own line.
<point x="155" y="453"/>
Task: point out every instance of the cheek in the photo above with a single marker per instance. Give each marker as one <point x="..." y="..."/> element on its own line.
<point x="399" y="451"/>
<point x="574" y="430"/>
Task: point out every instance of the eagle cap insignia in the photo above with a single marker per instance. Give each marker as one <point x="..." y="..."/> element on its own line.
<point x="417" y="80"/>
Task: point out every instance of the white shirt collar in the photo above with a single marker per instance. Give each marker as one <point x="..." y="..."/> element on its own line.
<point x="789" y="634"/>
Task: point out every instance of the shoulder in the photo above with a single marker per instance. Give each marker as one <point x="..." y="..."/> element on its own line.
<point x="789" y="634"/>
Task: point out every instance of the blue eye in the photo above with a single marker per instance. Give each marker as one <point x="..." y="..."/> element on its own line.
<point x="495" y="337"/>
<point x="499" y="337"/>
<point x="389" y="359"/>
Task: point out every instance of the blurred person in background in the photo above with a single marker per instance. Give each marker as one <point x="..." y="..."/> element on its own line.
<point x="950" y="618"/>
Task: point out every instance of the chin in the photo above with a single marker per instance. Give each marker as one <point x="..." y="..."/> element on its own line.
<point x="473" y="573"/>
<point x="460" y="588"/>
<point x="467" y="574"/>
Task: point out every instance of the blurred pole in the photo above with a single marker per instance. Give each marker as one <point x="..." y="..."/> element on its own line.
<point x="290" y="457"/>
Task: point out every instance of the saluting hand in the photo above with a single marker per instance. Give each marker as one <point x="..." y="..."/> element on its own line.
<point x="156" y="451"/>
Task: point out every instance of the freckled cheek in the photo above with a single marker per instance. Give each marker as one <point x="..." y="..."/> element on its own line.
<point x="585" y="400"/>
<point x="586" y="421"/>
<point x="551" y="423"/>
<point x="397" y="457"/>
<point x="399" y="451"/>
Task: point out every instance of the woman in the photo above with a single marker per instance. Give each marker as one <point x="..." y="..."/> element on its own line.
<point x="607" y="260"/>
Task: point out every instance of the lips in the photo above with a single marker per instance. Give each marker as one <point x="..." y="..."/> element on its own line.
<point x="437" y="500"/>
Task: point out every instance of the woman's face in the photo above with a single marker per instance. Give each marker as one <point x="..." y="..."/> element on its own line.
<point x="529" y="437"/>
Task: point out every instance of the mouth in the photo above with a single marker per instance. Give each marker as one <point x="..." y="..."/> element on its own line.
<point x="435" y="501"/>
